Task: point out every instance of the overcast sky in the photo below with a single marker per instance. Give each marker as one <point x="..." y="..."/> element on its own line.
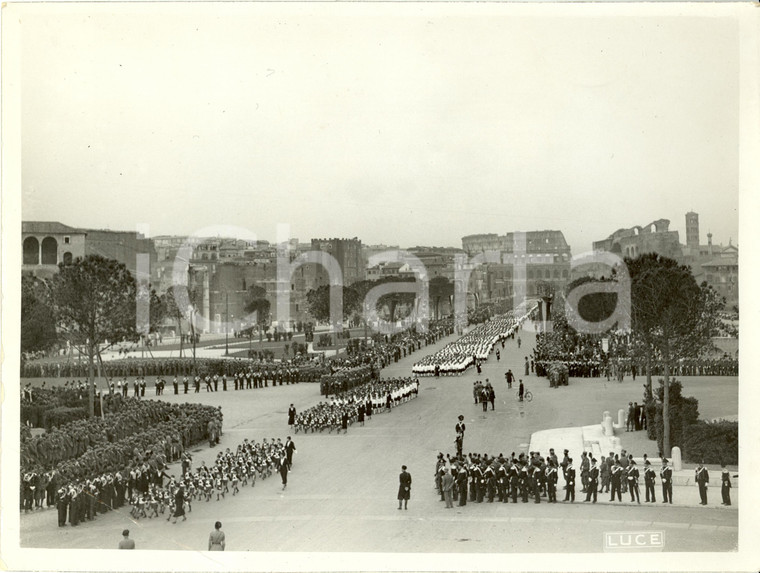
<point x="400" y="124"/>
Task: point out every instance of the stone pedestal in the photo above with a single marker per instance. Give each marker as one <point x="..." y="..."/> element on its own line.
<point x="675" y="458"/>
<point x="621" y="418"/>
<point x="606" y="414"/>
<point x="607" y="426"/>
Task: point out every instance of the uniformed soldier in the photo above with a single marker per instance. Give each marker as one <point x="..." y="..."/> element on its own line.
<point x="633" y="481"/>
<point x="725" y="488"/>
<point x="490" y="482"/>
<point x="616" y="476"/>
<point x="593" y="481"/>
<point x="62" y="505"/>
<point x="570" y="481"/>
<point x="536" y="482"/>
<point x="666" y="477"/>
<point x="702" y="478"/>
<point x="649" y="478"/>
<point x="551" y="480"/>
<point x="461" y="484"/>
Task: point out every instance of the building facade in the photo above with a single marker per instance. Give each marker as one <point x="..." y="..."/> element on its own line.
<point x="45" y="244"/>
<point x="529" y="264"/>
<point x="638" y="240"/>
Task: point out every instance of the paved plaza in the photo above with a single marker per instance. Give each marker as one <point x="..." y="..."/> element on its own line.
<point x="341" y="495"/>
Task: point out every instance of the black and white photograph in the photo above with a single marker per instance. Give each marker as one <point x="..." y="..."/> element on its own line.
<point x="291" y="280"/>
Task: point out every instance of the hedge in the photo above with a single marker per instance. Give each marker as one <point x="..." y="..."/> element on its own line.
<point x="712" y="442"/>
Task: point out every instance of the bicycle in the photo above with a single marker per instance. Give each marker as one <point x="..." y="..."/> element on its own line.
<point x="527" y="395"/>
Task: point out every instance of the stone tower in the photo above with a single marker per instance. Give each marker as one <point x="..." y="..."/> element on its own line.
<point x="692" y="232"/>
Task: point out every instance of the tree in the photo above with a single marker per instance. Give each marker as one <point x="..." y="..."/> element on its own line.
<point x="95" y="301"/>
<point x="172" y="308"/>
<point x="318" y="301"/>
<point x="672" y="317"/>
<point x="37" y="317"/>
<point x="257" y="302"/>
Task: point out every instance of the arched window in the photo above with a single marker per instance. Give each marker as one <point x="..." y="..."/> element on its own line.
<point x="547" y="274"/>
<point x="556" y="274"/>
<point x="31" y="251"/>
<point x="564" y="273"/>
<point x="49" y="251"/>
<point x="530" y="274"/>
<point x="67" y="258"/>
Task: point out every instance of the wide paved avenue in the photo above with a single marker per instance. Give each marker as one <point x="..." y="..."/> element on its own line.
<point x="341" y="495"/>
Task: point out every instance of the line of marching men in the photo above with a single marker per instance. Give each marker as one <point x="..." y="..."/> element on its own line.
<point x="488" y="478"/>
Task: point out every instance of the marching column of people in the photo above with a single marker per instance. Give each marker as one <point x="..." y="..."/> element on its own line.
<point x="489" y="478"/>
<point x="142" y="486"/>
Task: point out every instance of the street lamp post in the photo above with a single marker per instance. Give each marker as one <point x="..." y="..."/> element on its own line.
<point x="226" y="324"/>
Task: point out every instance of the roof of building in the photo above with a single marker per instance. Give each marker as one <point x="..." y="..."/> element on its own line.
<point x="722" y="262"/>
<point x="49" y="227"/>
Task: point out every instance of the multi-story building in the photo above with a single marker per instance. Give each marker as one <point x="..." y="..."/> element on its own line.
<point x="348" y="254"/>
<point x="123" y="246"/>
<point x="45" y="244"/>
<point x="529" y="264"/>
<point x="722" y="274"/>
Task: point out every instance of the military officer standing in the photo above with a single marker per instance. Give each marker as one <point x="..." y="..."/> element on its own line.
<point x="593" y="481"/>
<point x="633" y="481"/>
<point x="649" y="477"/>
<point x="570" y="481"/>
<point x="666" y="477"/>
<point x="725" y="488"/>
<point x="404" y="487"/>
<point x="702" y="478"/>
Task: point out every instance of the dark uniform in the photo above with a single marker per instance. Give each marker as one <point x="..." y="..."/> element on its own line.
<point x="462" y="485"/>
<point x="725" y="488"/>
<point x="404" y="487"/>
<point x="570" y="482"/>
<point x="616" y="475"/>
<point x="666" y="476"/>
<point x="551" y="482"/>
<point x="649" y="477"/>
<point x="62" y="505"/>
<point x="702" y="478"/>
<point x="593" y="482"/>
<point x="633" y="482"/>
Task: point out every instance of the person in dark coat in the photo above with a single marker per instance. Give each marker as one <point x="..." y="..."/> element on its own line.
<point x="570" y="482"/>
<point x="666" y="478"/>
<point x="291" y="415"/>
<point x="62" y="504"/>
<point x="725" y="488"/>
<point x="702" y="478"/>
<point x="360" y="414"/>
<point x="179" y="505"/>
<point x="284" y="472"/>
<point x="461" y="482"/>
<point x="404" y="487"/>
<point x="290" y="447"/>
